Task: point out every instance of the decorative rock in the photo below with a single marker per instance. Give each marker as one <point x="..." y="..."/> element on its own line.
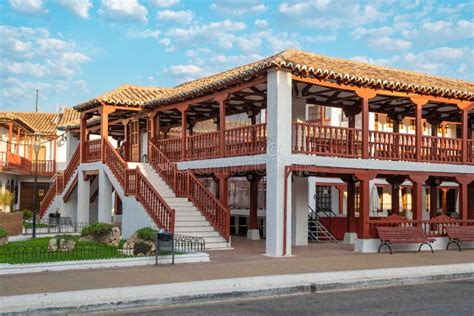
<point x="53" y="244"/>
<point x="3" y="241"/>
<point x="111" y="239"/>
<point x="135" y="246"/>
<point x="67" y="245"/>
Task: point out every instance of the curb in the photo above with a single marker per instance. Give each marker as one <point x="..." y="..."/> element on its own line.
<point x="225" y="289"/>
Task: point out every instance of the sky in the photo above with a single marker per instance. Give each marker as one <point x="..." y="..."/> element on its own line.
<point x="74" y="50"/>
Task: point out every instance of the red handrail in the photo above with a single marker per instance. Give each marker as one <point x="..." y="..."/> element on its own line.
<point x="187" y="184"/>
<point x="442" y="149"/>
<point x="214" y="211"/>
<point x="171" y="148"/>
<point x="72" y="166"/>
<point x="134" y="183"/>
<point x="202" y="146"/>
<point x="470" y="151"/>
<point x="48" y="198"/>
<point x="392" y="146"/>
<point x="93" y="150"/>
<point x="246" y="140"/>
<point x="161" y="213"/>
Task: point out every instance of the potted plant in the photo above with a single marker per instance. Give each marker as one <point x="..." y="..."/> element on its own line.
<point x="6" y="199"/>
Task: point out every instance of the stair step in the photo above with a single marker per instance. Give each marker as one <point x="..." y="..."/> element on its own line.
<point x="196" y="224"/>
<point x="193" y="217"/>
<point x="204" y="234"/>
<point x="193" y="229"/>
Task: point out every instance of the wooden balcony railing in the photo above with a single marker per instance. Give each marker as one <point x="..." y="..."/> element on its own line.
<point x="470" y="151"/>
<point x="246" y="140"/>
<point x="18" y="164"/>
<point x="93" y="150"/>
<point x="216" y="213"/>
<point x="442" y="149"/>
<point x="326" y="140"/>
<point x="171" y="148"/>
<point x="392" y="146"/>
<point x="3" y="159"/>
<point x="45" y="167"/>
<point x="202" y="146"/>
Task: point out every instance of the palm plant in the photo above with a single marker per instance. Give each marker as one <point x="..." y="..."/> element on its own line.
<point x="6" y="199"/>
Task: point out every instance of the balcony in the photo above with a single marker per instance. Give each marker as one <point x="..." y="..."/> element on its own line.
<point x="10" y="162"/>
<point x="320" y="140"/>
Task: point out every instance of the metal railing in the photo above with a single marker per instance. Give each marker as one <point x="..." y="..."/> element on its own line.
<point x="45" y="227"/>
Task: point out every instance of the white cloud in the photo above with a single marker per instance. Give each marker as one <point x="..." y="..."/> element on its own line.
<point x="79" y="7"/>
<point x="198" y="33"/>
<point x="53" y="65"/>
<point x="164" y="3"/>
<point x="387" y="43"/>
<point x="175" y="16"/>
<point x="239" y="8"/>
<point x="144" y="34"/>
<point x="123" y="10"/>
<point x="261" y="24"/>
<point x="372" y="32"/>
<point x="377" y="61"/>
<point x="183" y="73"/>
<point x="28" y="6"/>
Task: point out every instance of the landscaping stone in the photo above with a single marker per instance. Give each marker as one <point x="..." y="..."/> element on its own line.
<point x="3" y="241"/>
<point x="62" y="245"/>
<point x="112" y="239"/>
<point x="139" y="247"/>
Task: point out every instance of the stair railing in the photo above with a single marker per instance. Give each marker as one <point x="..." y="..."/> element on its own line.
<point x="134" y="182"/>
<point x="315" y="215"/>
<point x="188" y="185"/>
<point x="60" y="181"/>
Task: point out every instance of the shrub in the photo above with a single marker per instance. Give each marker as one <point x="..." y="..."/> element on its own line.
<point x="147" y="233"/>
<point x="97" y="230"/>
<point x="27" y="214"/>
<point x="141" y="248"/>
<point x="3" y="233"/>
<point x="6" y="199"/>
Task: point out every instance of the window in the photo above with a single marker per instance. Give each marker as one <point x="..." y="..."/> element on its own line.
<point x="323" y="197"/>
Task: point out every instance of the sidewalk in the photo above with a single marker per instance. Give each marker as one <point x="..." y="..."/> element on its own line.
<point x="246" y="260"/>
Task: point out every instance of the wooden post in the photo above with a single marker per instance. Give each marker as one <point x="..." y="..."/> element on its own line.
<point x="105" y="110"/>
<point x="417" y="196"/>
<point x="433" y="200"/>
<point x="464" y="126"/>
<point x="223" y="187"/>
<point x="350" y="205"/>
<point x="184" y="124"/>
<point x="54" y="154"/>
<point x="364" y="189"/>
<point x="419" y="102"/>
<point x="395" y="198"/>
<point x="10" y="136"/>
<point x="253" y="203"/>
<point x="221" y="99"/>
<point x="470" y="203"/>
<point x="25" y="141"/>
<point x="158" y="126"/>
<point x="83" y="136"/>
<point x="463" y="182"/>
<point x="365" y="95"/>
<point x="17" y="148"/>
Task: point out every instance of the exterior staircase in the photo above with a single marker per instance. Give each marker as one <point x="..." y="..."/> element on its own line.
<point x="188" y="219"/>
<point x="317" y="232"/>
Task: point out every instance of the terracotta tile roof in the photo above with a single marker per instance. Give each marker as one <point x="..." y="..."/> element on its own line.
<point x="44" y="123"/>
<point x="125" y="95"/>
<point x="299" y="62"/>
<point x="327" y="68"/>
<point x="69" y="117"/>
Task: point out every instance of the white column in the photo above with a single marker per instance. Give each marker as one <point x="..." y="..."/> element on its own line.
<point x="83" y="198"/>
<point x="299" y="214"/>
<point x="105" y="198"/>
<point x="312" y="192"/>
<point x="278" y="150"/>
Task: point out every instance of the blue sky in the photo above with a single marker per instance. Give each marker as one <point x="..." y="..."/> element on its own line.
<point x="73" y="50"/>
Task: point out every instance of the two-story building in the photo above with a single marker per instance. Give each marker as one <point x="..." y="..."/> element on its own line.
<point x="351" y="134"/>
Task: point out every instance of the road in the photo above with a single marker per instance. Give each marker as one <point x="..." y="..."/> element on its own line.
<point x="448" y="298"/>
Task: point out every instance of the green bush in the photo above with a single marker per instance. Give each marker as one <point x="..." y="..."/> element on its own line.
<point x="147" y="233"/>
<point x="3" y="233"/>
<point x="97" y="230"/>
<point x="27" y="214"/>
<point x="141" y="248"/>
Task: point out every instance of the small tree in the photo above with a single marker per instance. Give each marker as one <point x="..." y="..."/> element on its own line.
<point x="6" y="199"/>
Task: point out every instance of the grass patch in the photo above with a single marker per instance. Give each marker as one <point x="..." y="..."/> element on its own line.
<point x="38" y="225"/>
<point x="36" y="250"/>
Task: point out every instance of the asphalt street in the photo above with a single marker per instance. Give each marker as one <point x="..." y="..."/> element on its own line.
<point x="447" y="298"/>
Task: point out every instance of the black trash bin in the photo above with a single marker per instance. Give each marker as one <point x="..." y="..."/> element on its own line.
<point x="54" y="218"/>
<point x="164" y="242"/>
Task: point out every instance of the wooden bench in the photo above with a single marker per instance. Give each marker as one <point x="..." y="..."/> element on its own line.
<point x="403" y="235"/>
<point x="458" y="234"/>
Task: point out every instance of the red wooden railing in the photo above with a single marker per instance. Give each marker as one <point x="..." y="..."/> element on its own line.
<point x="202" y="146"/>
<point x="246" y="140"/>
<point x="156" y="206"/>
<point x="59" y="182"/>
<point x="72" y="166"/>
<point x="187" y="184"/>
<point x="3" y="159"/>
<point x="392" y="146"/>
<point x="93" y="150"/>
<point x="48" y="198"/>
<point x="134" y="183"/>
<point x="171" y="148"/>
<point x="216" y="213"/>
<point x="332" y="141"/>
<point x="442" y="149"/>
<point x="18" y="163"/>
<point x="45" y="167"/>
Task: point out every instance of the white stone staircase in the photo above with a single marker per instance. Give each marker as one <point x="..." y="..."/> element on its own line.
<point x="188" y="219"/>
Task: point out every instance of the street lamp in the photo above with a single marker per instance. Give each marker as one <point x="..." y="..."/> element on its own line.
<point x="36" y="148"/>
